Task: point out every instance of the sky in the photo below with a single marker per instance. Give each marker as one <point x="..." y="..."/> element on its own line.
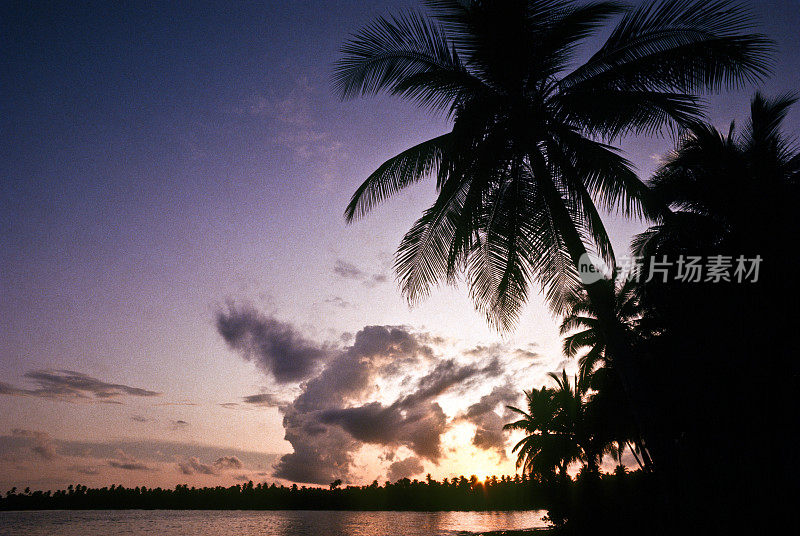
<point x="181" y="300"/>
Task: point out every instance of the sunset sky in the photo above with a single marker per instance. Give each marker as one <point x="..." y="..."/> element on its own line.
<point x="181" y="300"/>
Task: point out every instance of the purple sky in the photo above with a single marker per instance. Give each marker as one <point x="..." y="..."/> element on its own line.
<point x="164" y="168"/>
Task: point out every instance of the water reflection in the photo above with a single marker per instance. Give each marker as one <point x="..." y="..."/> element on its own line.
<point x="263" y="523"/>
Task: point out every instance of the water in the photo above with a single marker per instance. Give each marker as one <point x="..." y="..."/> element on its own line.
<point x="261" y="523"/>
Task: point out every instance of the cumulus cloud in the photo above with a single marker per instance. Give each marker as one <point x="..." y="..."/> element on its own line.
<point x="347" y="270"/>
<point x="343" y="405"/>
<point x="333" y="417"/>
<point x="489" y="434"/>
<point x="70" y="386"/>
<point x="275" y="346"/>
<point x="325" y="436"/>
<point x="407" y="468"/>
<point x="414" y="420"/>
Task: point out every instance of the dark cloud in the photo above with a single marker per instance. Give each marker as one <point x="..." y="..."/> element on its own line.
<point x="418" y="426"/>
<point x="488" y="423"/>
<point x="263" y="399"/>
<point x="404" y="469"/>
<point x="139" y="418"/>
<point x="346" y="270"/>
<point x="71" y="386"/>
<point x="415" y="420"/>
<point x="498" y="349"/>
<point x="275" y="346"/>
<point x="179" y="425"/>
<point x="129" y="466"/>
<point x="323" y="450"/>
<point x="38" y="443"/>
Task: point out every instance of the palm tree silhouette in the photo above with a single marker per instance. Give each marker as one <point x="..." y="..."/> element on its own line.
<point x="520" y="170"/>
<point x="581" y="328"/>
<point x="728" y="191"/>
<point x="559" y="428"/>
<point x="519" y="173"/>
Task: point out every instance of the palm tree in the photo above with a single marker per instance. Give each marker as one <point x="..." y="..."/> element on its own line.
<point x="729" y="191"/>
<point x="581" y="328"/>
<point x="727" y="345"/>
<point x="519" y="173"/>
<point x="520" y="170"/>
<point x="559" y="428"/>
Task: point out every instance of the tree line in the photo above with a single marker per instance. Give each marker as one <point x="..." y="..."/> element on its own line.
<point x="461" y="493"/>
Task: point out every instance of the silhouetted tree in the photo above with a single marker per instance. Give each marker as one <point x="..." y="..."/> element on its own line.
<point x="520" y="171"/>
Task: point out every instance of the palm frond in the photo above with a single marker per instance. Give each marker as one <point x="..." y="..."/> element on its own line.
<point x="406" y="55"/>
<point x="679" y="45"/>
<point x="398" y="172"/>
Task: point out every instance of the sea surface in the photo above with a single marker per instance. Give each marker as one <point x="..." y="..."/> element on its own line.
<point x="262" y="523"/>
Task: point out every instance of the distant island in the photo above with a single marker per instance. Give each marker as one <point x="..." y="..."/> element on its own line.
<point x="493" y="493"/>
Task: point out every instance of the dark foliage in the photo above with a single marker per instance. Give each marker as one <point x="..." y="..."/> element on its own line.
<point x="503" y="493"/>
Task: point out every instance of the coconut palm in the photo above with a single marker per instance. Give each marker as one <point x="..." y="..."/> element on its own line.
<point x="559" y="428"/>
<point x="520" y="171"/>
<point x="527" y="157"/>
<point x="729" y="191"/>
<point x="581" y="328"/>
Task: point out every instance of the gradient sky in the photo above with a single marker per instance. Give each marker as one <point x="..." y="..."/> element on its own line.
<point x="172" y="172"/>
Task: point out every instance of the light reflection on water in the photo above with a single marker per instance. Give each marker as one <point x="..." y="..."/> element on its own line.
<point x="261" y="523"/>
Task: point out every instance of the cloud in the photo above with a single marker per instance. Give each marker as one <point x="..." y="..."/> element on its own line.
<point x="263" y="399"/>
<point x="127" y="463"/>
<point x="346" y="270"/>
<point x="70" y="386"/>
<point x="404" y="469"/>
<point x="323" y="451"/>
<point x="194" y="465"/>
<point x="38" y="443"/>
<point x="414" y="420"/>
<point x="336" y="414"/>
<point x="489" y="434"/>
<point x="228" y="462"/>
<point x="139" y="418"/>
<point x="274" y="346"/>
<point x="129" y="466"/>
<point x="99" y="463"/>
<point x="179" y="425"/>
